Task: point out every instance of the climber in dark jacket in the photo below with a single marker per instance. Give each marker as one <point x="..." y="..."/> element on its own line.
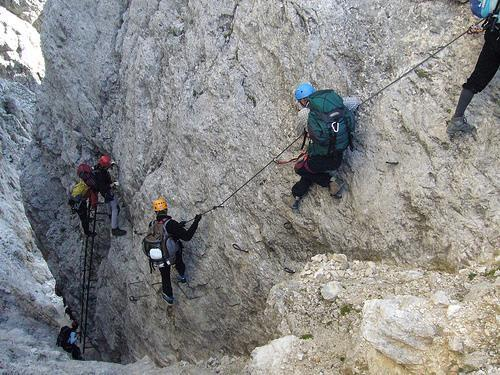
<point x="69" y="344"/>
<point x="178" y="233"/>
<point x="104" y="185"/>
<point x="486" y="68"/>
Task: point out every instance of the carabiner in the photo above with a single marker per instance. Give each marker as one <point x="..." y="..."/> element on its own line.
<point x="333" y="127"/>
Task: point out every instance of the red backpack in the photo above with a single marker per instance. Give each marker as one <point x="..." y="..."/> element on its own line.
<point x="86" y="173"/>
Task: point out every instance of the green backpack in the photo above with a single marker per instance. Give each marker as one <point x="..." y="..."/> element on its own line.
<point x="330" y="124"/>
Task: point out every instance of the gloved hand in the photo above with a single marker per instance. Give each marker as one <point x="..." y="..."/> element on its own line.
<point x="197" y="218"/>
<point x="115" y="184"/>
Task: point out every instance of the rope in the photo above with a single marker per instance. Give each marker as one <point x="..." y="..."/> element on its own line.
<point x="419" y="64"/>
<point x="221" y="205"/>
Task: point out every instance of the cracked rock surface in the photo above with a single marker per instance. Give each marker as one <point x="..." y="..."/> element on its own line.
<point x="192" y="98"/>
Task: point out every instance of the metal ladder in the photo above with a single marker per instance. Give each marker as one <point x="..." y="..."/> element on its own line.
<point x="86" y="275"/>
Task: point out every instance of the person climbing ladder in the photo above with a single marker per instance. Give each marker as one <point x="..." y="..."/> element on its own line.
<point x="105" y="185"/>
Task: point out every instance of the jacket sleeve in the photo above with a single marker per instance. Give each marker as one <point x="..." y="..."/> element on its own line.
<point x="178" y="232"/>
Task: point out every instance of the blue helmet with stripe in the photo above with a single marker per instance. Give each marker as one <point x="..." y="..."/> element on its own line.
<point x="304" y="90"/>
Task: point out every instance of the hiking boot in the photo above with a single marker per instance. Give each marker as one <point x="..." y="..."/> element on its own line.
<point x="296" y="204"/>
<point x="118" y="232"/>
<point x="181" y="279"/>
<point x="169" y="300"/>
<point x="459" y="125"/>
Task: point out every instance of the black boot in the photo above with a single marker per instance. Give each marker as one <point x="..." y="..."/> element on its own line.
<point x="118" y="232"/>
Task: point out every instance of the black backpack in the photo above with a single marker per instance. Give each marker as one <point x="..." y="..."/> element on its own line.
<point x="63" y="337"/>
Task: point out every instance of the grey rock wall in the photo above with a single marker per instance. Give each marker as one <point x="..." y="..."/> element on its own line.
<point x="192" y="98"/>
<point x="27" y="10"/>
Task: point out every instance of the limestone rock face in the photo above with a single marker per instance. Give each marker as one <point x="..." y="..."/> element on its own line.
<point x="21" y="58"/>
<point x="192" y="98"/>
<point x="27" y="10"/>
<point x="30" y="311"/>
<point x="331" y="290"/>
<point x="271" y="358"/>
<point x="383" y="322"/>
<point x="401" y="328"/>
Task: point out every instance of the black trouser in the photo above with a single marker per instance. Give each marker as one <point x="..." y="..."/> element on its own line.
<point x="74" y="350"/>
<point x="82" y="212"/>
<point x="313" y="171"/>
<point x="487" y="63"/>
<point x="165" y="273"/>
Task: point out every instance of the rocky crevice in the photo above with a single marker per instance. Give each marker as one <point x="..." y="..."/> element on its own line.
<point x="192" y="99"/>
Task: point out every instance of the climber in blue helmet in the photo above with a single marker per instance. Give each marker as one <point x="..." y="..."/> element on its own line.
<point x="304" y="90"/>
<point x="330" y="124"/>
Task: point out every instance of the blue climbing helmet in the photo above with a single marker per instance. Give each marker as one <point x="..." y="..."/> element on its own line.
<point x="304" y="90"/>
<point x="484" y="8"/>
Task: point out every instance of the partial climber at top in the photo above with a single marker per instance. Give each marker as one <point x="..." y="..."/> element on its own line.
<point x="330" y="127"/>
<point x="163" y="246"/>
<point x="486" y="66"/>
<point x="104" y="185"/>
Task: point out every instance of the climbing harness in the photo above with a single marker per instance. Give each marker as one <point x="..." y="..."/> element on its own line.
<point x="475" y="29"/>
<point x="300" y="156"/>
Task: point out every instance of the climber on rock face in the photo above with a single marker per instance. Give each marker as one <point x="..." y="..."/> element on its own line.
<point x="105" y="185"/>
<point x="170" y="233"/>
<point x="486" y="68"/>
<point x="67" y="339"/>
<point x="330" y="124"/>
